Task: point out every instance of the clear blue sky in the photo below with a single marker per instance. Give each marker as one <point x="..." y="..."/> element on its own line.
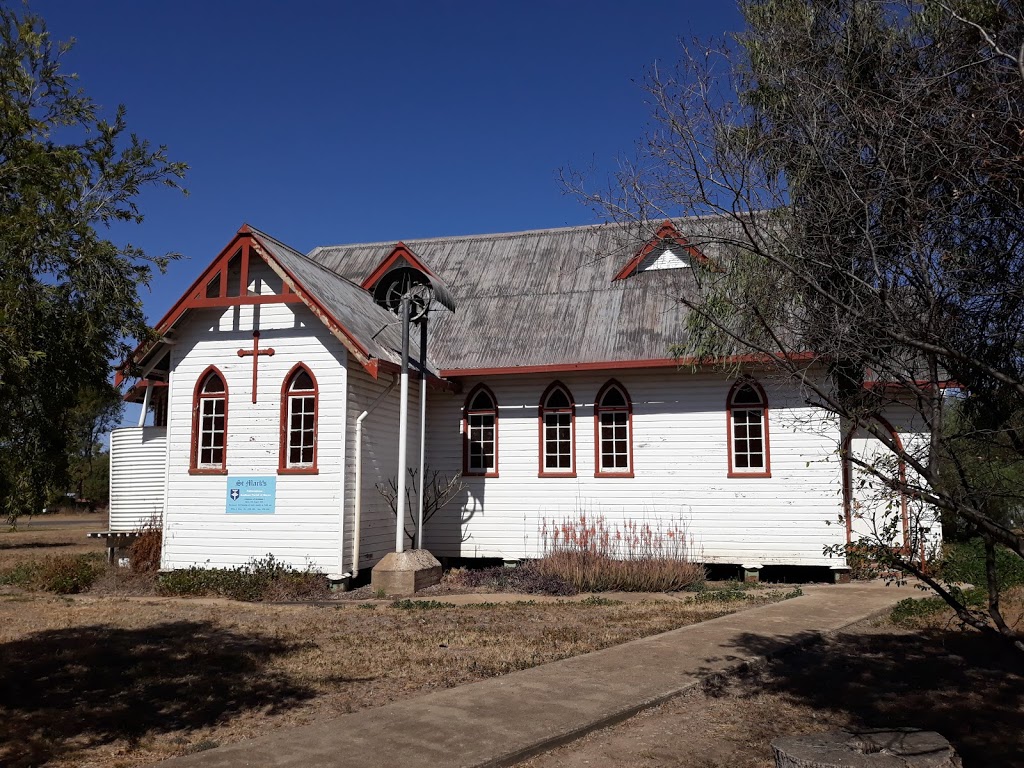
<point x="333" y="122"/>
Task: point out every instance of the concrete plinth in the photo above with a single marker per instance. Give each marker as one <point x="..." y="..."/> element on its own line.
<point x="405" y="573"/>
<point x="750" y="572"/>
<point x="841" y="575"/>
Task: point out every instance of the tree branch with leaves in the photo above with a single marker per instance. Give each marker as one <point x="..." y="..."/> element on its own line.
<point x="69" y="297"/>
<point x="857" y="165"/>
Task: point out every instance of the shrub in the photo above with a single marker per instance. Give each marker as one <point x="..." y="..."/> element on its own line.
<point x="731" y="594"/>
<point x="260" y="579"/>
<point x="863" y="565"/>
<point x="909" y="610"/>
<point x="417" y="605"/>
<point x="60" y="574"/>
<point x="526" y="578"/>
<point x="595" y="557"/>
<point x="144" y="553"/>
<point x="965" y="562"/>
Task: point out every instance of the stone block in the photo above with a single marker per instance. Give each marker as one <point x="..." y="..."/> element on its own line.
<point x="405" y="573"/>
<point x="866" y="748"/>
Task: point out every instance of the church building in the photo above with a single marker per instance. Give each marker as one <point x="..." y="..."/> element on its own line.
<point x="272" y="398"/>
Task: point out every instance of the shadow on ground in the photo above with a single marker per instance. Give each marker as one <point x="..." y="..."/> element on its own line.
<point x="93" y="685"/>
<point x="4" y="546"/>
<point x="967" y="687"/>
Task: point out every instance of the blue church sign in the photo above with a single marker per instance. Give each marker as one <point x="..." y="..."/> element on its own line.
<point x="252" y="495"/>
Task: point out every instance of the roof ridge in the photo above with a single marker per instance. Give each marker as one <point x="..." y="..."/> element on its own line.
<point x="500" y="235"/>
<point x="304" y="257"/>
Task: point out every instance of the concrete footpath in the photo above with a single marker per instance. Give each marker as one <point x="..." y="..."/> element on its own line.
<point x="505" y="719"/>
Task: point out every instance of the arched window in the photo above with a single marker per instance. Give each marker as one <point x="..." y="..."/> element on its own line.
<point x="557" y="433"/>
<point x="747" y="409"/>
<point x="210" y="423"/>
<point x="613" y="432"/>
<point x="480" y="433"/>
<point x="299" y="396"/>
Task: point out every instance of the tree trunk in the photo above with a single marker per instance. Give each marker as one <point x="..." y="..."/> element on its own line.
<point x="869" y="748"/>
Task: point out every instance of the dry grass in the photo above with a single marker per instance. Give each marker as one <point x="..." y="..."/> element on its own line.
<point x="38" y="537"/>
<point x="595" y="556"/>
<point x="121" y="682"/>
<point x="965" y="686"/>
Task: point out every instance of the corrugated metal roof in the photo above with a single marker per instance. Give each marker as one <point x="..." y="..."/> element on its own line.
<point x="544" y="297"/>
<point x="376" y="329"/>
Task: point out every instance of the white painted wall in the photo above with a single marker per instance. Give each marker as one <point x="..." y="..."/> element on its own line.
<point x="306" y="528"/>
<point x="876" y="509"/>
<point x="137" y="458"/>
<point x="681" y="468"/>
<point x="380" y="462"/>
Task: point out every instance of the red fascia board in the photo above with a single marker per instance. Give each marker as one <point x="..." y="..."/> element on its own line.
<point x="199" y="285"/>
<point x="614" y="365"/>
<point x="400" y="251"/>
<point x="666" y="231"/>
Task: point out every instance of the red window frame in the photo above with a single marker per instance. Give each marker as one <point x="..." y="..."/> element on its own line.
<point x="731" y="407"/>
<point x="543" y="411"/>
<point x="599" y="410"/>
<point x="467" y="413"/>
<point x="287" y="395"/>
<point x="197" y="397"/>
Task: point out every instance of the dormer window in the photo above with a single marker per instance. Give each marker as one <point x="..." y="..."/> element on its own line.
<point x="668" y="255"/>
<point x="668" y="249"/>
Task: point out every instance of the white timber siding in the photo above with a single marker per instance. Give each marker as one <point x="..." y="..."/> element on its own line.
<point x="877" y="509"/>
<point x="306" y="528"/>
<point x="681" y="472"/>
<point x="137" y="461"/>
<point x="380" y="462"/>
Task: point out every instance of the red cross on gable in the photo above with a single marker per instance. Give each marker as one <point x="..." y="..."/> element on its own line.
<point x="255" y="352"/>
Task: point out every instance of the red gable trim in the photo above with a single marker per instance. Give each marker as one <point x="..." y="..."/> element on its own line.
<point x="246" y="243"/>
<point x="616" y="365"/>
<point x="400" y="251"/>
<point x="666" y="231"/>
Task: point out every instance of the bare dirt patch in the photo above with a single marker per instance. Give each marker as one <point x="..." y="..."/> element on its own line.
<point x="932" y="676"/>
<point x="105" y="681"/>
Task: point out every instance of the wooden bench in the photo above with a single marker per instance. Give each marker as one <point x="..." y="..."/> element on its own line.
<point x="116" y="541"/>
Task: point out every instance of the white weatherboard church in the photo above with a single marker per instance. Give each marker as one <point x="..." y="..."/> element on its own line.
<point x="271" y="409"/>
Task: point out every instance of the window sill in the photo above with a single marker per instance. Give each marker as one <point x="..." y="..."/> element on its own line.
<point x="752" y="475"/>
<point x="480" y="474"/>
<point x="210" y="471"/>
<point x="556" y="474"/>
<point x="298" y="471"/>
<point x="613" y="474"/>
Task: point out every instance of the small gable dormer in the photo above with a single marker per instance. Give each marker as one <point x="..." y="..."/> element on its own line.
<point x="400" y="256"/>
<point x="668" y="249"/>
<point x="401" y="271"/>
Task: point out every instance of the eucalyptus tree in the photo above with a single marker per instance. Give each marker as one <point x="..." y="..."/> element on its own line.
<point x="865" y="158"/>
<point x="69" y="296"/>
